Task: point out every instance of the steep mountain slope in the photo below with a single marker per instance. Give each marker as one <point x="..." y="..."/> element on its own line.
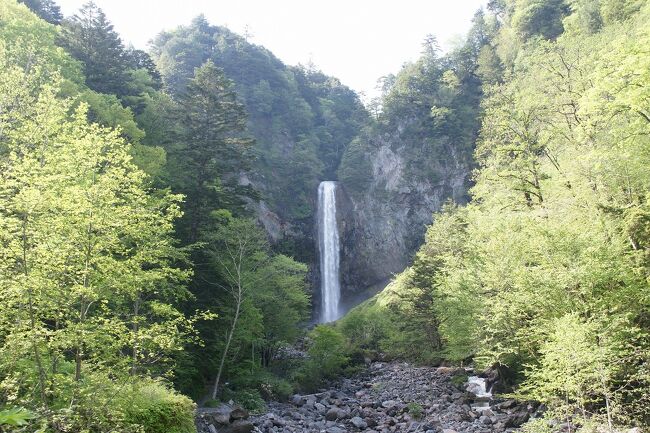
<point x="301" y="119"/>
<point x="414" y="156"/>
<point x="396" y="168"/>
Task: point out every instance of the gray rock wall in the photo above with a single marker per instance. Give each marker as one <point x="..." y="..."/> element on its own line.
<point x="383" y="226"/>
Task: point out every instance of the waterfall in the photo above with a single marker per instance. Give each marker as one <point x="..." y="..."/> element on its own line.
<point x="477" y="386"/>
<point x="328" y="247"/>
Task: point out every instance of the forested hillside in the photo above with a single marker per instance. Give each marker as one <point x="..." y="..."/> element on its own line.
<point x="159" y="239"/>
<point x="132" y="263"/>
<point x="544" y="274"/>
<point x="414" y="155"/>
<point x="301" y="119"/>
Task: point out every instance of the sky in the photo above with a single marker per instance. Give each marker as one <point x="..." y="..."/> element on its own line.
<point x="357" y="41"/>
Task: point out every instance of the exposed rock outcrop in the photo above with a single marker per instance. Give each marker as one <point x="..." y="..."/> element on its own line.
<point x="384" y="223"/>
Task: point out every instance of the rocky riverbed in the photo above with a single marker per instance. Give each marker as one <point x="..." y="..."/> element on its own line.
<point x="388" y="397"/>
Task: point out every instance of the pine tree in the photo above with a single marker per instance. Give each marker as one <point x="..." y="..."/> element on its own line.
<point x="138" y="59"/>
<point x="214" y="147"/>
<point x="90" y="38"/>
<point x="46" y="9"/>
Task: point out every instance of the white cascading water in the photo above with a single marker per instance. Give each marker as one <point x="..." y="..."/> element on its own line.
<point x="328" y="247"/>
<point x="477" y="386"/>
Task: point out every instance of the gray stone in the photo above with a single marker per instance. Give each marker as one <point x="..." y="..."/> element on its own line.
<point x="239" y="426"/>
<point x="332" y="414"/>
<point x="358" y="422"/>
<point x="238" y="413"/>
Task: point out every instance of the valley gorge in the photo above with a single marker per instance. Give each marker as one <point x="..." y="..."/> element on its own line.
<point x="387" y="203"/>
<point x="199" y="237"/>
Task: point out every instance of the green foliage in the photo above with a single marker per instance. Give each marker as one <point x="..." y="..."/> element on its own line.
<point x="537" y="425"/>
<point x="366" y="326"/>
<point x="15" y="417"/>
<point x="619" y="10"/>
<point x="250" y="399"/>
<point x="355" y="170"/>
<point x="108" y="111"/>
<point x="327" y="357"/>
<point x="415" y="410"/>
<point x="302" y="120"/>
<point x="87" y="274"/>
<point x="213" y="148"/>
<point x="31" y="42"/>
<point x="45" y="9"/>
<point x="90" y="38"/>
<point x="459" y="379"/>
<point x="577" y="367"/>
<point x="545" y="272"/>
<point x="539" y="18"/>
<point x="416" y="317"/>
<point x="212" y="403"/>
<point x="159" y="410"/>
<point x="429" y="113"/>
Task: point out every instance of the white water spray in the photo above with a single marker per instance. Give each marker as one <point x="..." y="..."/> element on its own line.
<point x="477" y="386"/>
<point x="328" y="247"/>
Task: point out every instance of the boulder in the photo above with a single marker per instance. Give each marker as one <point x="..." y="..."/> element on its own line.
<point x="238" y="413"/>
<point x="332" y="414"/>
<point x="517" y="419"/>
<point x="239" y="426"/>
<point x="359" y="423"/>
<point x="508" y="404"/>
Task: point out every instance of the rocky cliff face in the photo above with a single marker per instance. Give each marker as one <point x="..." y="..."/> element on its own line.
<point x="383" y="224"/>
<point x="394" y="170"/>
<point x="300" y="118"/>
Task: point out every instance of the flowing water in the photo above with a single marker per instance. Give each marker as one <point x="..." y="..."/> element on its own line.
<point x="328" y="247"/>
<point x="477" y="386"/>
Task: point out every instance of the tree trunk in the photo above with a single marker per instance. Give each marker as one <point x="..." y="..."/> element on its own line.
<point x="78" y="355"/>
<point x="215" y="389"/>
<point x="32" y="319"/>
<point x="136" y="328"/>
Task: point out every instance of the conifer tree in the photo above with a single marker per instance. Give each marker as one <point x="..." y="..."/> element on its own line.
<point x="89" y="37"/>
<point x="46" y="9"/>
<point x="213" y="148"/>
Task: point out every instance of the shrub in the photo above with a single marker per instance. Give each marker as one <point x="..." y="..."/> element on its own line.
<point x="328" y="355"/>
<point x="250" y="399"/>
<point x="459" y="379"/>
<point x="275" y="388"/>
<point x="415" y="409"/>
<point x="15" y="417"/>
<point x="267" y="384"/>
<point x="212" y="403"/>
<point x="158" y="409"/>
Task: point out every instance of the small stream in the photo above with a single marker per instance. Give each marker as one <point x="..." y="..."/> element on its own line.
<point x="477" y="386"/>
